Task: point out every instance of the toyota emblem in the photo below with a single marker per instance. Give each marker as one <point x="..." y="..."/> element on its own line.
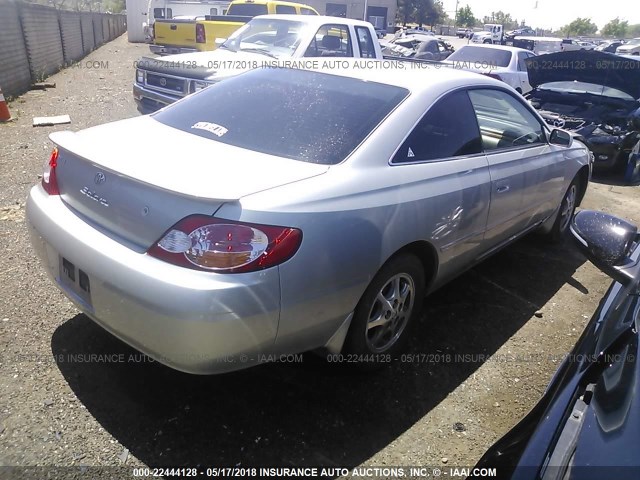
<point x="99" y="178"/>
<point x="558" y="122"/>
<point x="163" y="82"/>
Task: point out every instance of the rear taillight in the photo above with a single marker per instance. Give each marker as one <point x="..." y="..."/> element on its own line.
<point x="217" y="245"/>
<point x="49" y="181"/>
<point x="201" y="36"/>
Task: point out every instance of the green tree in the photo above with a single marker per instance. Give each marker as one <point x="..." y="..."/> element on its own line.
<point x="114" y="6"/>
<point x="616" y="28"/>
<point x="436" y="14"/>
<point x="464" y="17"/>
<point x="406" y="11"/>
<point x="634" y="30"/>
<point x="580" y="26"/>
<point x="501" y="18"/>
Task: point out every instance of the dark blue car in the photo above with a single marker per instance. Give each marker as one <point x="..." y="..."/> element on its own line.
<point x="587" y="424"/>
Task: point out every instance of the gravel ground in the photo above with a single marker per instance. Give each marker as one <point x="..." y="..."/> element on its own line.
<point x="524" y="307"/>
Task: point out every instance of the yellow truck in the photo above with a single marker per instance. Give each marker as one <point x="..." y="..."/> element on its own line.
<point x="173" y="36"/>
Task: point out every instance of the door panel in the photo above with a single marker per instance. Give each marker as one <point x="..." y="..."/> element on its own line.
<point x="522" y="165"/>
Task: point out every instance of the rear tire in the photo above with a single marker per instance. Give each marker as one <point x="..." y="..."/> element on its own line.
<point x="567" y="208"/>
<point x="386" y="312"/>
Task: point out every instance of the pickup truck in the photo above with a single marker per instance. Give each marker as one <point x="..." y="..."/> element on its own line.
<point x="207" y="32"/>
<point x="266" y="41"/>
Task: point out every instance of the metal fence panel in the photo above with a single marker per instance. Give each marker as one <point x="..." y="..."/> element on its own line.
<point x="97" y="29"/>
<point x="42" y="36"/>
<point x="71" y="36"/>
<point x="15" y="76"/>
<point x="105" y="29"/>
<point x="88" y="40"/>
<point x="36" y="40"/>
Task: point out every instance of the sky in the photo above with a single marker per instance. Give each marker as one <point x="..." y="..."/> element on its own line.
<point x="552" y="13"/>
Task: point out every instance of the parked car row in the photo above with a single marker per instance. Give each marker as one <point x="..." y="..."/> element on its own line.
<point x="265" y="40"/>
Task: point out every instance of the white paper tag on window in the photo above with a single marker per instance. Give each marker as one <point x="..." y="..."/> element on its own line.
<point x="410" y="153"/>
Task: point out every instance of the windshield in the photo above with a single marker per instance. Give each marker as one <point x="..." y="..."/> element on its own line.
<point x="635" y="41"/>
<point x="583" y="87"/>
<point x="247" y="9"/>
<point x="274" y="38"/>
<point x="297" y="114"/>
<point x="482" y="55"/>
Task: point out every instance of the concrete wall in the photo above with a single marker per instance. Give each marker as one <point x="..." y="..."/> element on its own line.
<point x="36" y="40"/>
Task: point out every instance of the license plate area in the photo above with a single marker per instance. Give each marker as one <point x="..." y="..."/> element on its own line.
<point x="75" y="282"/>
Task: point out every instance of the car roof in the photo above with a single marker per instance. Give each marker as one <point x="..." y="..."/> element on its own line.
<point x="428" y="76"/>
<point x="316" y="19"/>
<point x="495" y="47"/>
<point x="541" y="39"/>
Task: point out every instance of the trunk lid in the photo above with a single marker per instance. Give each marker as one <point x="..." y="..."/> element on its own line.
<point x="136" y="178"/>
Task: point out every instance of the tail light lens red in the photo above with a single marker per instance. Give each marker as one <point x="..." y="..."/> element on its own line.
<point x="201" y="36"/>
<point x="217" y="245"/>
<point x="49" y="181"/>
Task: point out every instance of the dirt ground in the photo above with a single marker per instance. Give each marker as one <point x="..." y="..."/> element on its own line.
<point x="488" y="344"/>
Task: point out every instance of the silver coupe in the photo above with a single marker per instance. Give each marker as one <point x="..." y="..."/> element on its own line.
<point x="288" y="210"/>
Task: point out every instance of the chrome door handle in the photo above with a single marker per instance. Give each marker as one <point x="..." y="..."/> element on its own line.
<point x="502" y="189"/>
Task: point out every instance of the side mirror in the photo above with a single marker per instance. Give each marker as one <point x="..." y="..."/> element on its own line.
<point x="560" y="137"/>
<point x="607" y="242"/>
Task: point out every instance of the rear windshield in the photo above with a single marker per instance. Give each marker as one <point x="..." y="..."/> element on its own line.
<point x="247" y="9"/>
<point x="484" y="55"/>
<point x="297" y="114"/>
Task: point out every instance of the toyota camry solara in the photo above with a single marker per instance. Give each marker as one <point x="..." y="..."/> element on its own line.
<point x="286" y="210"/>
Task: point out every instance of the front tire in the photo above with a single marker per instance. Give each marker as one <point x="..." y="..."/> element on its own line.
<point x="387" y="310"/>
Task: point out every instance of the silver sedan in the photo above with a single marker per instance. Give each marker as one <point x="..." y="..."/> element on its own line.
<point x="286" y="210"/>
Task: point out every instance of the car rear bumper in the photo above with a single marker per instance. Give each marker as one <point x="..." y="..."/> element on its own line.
<point x="197" y="322"/>
<point x="167" y="50"/>
<point x="149" y="101"/>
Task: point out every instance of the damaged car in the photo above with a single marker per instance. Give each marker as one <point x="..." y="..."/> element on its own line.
<point x="595" y="96"/>
<point x="417" y="46"/>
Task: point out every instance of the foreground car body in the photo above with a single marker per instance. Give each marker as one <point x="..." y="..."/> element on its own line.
<point x="219" y="244"/>
<point x="587" y="423"/>
<point x="594" y="100"/>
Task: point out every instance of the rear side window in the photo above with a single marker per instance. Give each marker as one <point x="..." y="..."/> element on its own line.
<point x="247" y="9"/>
<point x="285" y="9"/>
<point x="160" y="13"/>
<point x="482" y="56"/>
<point x="448" y="129"/>
<point x="504" y="121"/>
<point x="297" y="114"/>
<point x="367" y="50"/>
<point x="330" y="41"/>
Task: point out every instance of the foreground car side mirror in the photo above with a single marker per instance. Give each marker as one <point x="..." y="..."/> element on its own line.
<point x="607" y="242"/>
<point x="560" y="137"/>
